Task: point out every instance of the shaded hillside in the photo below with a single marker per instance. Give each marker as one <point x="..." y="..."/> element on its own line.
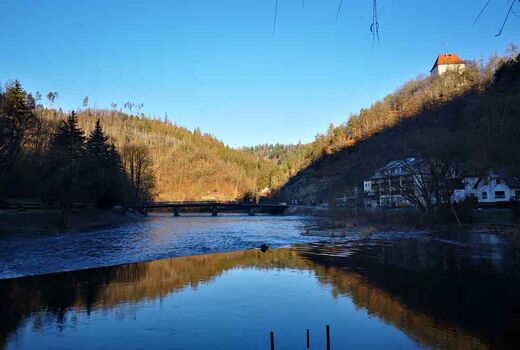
<point x="475" y="112"/>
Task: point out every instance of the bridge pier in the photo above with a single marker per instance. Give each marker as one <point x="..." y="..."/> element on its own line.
<point x="214" y="211"/>
<point x="251" y="211"/>
<point x="175" y="211"/>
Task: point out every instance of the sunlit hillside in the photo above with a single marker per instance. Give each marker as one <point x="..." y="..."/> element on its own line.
<point x="189" y="165"/>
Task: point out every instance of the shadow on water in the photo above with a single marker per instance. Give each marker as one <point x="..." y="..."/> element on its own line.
<point x="440" y="293"/>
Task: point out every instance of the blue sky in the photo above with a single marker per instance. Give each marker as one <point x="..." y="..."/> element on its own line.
<point x="215" y="64"/>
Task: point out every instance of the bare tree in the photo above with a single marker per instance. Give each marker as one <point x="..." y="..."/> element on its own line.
<point x="138" y="164"/>
<point x="432" y="177"/>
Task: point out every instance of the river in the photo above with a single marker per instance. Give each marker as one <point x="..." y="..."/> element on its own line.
<point x="156" y="237"/>
<point x="392" y="290"/>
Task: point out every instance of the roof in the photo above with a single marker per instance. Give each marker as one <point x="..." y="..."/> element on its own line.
<point x="399" y="165"/>
<point x="511" y="181"/>
<point x="447" y="58"/>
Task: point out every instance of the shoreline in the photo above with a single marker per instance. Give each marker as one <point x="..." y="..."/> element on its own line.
<point x="365" y="221"/>
<point x="45" y="221"/>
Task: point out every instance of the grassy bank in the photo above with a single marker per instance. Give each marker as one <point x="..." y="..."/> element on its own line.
<point x="47" y="220"/>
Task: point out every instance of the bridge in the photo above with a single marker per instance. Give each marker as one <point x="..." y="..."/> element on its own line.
<point x="215" y="206"/>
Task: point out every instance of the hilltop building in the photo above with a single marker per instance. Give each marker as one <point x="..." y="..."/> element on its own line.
<point x="446" y="62"/>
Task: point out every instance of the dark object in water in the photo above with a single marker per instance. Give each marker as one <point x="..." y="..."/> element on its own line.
<point x="264" y="247"/>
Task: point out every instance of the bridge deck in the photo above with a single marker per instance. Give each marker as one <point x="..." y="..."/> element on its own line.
<point x="211" y="204"/>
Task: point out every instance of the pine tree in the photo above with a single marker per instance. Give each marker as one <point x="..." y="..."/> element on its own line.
<point x="66" y="153"/>
<point x="103" y="170"/>
<point x="17" y="124"/>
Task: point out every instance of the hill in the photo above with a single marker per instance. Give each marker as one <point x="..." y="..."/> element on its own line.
<point x="474" y="113"/>
<point x="188" y="165"/>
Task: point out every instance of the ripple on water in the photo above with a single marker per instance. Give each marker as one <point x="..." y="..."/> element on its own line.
<point x="154" y="238"/>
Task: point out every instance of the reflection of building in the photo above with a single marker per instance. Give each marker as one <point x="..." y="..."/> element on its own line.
<point x="446" y="62"/>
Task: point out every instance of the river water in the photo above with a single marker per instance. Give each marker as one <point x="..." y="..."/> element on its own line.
<point x="157" y="237"/>
<point x="392" y="290"/>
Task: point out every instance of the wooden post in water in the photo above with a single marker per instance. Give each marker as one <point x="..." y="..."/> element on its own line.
<point x="308" y="339"/>
<point x="328" y="337"/>
<point x="252" y="211"/>
<point x="214" y="211"/>
<point x="272" y="340"/>
<point x="175" y="211"/>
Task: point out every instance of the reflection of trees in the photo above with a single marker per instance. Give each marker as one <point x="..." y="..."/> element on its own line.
<point x="106" y="288"/>
<point x="419" y="284"/>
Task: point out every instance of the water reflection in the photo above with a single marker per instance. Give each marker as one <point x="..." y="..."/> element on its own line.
<point x="401" y="293"/>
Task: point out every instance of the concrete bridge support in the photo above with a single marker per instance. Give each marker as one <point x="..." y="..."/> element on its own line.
<point x="252" y="211"/>
<point x="214" y="211"/>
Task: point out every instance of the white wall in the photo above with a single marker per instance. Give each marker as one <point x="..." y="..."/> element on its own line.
<point x="367" y="187"/>
<point x="494" y="185"/>
<point x="443" y="68"/>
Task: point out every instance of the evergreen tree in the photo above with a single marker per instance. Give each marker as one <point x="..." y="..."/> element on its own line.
<point x="102" y="170"/>
<point x="66" y="153"/>
<point x="17" y="124"/>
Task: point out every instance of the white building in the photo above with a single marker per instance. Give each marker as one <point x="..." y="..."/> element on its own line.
<point x="446" y="62"/>
<point x="465" y="190"/>
<point x="390" y="185"/>
<point x="497" y="189"/>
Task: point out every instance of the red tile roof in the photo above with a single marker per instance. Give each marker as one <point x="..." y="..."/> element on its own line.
<point x="447" y="58"/>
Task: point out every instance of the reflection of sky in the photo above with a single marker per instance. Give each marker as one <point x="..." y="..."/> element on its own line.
<point x="237" y="310"/>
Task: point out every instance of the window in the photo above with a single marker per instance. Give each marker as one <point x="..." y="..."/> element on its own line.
<point x="484" y="195"/>
<point x="500" y="194"/>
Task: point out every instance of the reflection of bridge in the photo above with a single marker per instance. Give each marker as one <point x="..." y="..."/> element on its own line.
<point x="215" y="206"/>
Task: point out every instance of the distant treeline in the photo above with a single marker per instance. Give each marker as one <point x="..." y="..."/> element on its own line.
<point x="470" y="117"/>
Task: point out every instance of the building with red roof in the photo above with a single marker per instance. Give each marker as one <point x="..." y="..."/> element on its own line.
<point x="445" y="62"/>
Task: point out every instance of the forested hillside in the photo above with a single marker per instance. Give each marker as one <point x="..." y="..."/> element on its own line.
<point x="473" y="116"/>
<point x="188" y="165"/>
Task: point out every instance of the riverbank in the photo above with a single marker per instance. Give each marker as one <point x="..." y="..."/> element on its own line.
<point x="47" y="220"/>
<point x="343" y="221"/>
